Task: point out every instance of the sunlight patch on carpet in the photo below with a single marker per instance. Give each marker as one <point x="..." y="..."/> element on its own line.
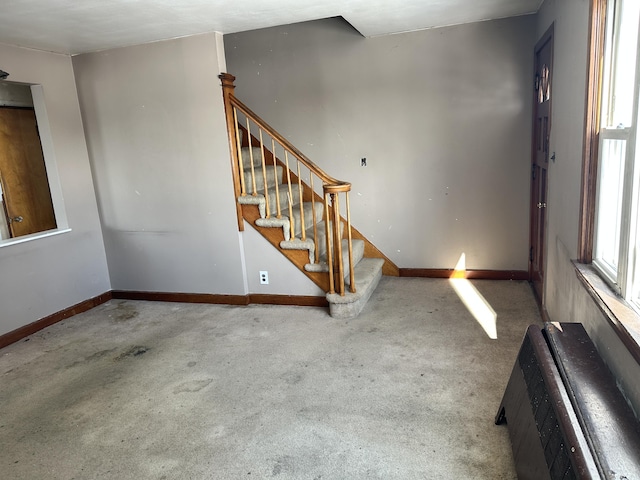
<point x="477" y="305"/>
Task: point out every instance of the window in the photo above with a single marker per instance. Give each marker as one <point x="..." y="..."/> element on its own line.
<point x="616" y="243"/>
<point x="30" y="196"/>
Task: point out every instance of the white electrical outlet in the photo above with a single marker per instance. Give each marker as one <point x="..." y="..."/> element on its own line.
<point x="264" y="277"/>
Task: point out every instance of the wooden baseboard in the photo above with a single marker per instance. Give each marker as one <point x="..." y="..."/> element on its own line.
<point x="294" y="300"/>
<point x="25" y="331"/>
<point x="256" y="298"/>
<point x="468" y="274"/>
<point x="181" y="297"/>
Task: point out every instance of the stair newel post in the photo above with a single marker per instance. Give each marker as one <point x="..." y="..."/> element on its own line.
<point x="352" y="275"/>
<point x="227" y="93"/>
<point x="328" y="237"/>
<point x="337" y="241"/>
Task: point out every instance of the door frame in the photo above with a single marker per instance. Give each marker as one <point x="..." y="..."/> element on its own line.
<point x="534" y="235"/>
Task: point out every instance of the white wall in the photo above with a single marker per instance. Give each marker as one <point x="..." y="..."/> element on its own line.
<point x="155" y="127"/>
<point x="566" y="300"/>
<point x="46" y="275"/>
<point x="442" y="116"/>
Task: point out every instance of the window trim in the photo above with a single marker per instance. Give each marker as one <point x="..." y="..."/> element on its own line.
<point x="622" y="317"/>
<point x="595" y="61"/>
<point x="51" y="167"/>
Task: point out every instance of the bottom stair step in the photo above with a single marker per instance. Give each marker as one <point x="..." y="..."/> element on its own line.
<point x="367" y="275"/>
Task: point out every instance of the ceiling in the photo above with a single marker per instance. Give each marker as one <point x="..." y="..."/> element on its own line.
<point x="73" y="27"/>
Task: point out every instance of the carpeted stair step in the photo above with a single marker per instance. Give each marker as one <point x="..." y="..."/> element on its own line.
<point x="358" y="254"/>
<point x="260" y="201"/>
<point x="367" y="276"/>
<point x="246" y="157"/>
<point x="286" y="226"/>
<point x="274" y="177"/>
<point x="308" y="216"/>
<point x="322" y="238"/>
<point x="308" y="243"/>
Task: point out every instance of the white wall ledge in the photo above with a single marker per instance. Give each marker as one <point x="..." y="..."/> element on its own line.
<point x="622" y="317"/>
<point x="34" y="236"/>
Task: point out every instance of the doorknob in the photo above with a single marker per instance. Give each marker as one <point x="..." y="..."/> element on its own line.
<point x="17" y="219"/>
<point x="542" y="205"/>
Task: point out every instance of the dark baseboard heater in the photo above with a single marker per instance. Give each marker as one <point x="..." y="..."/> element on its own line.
<point x="566" y="417"/>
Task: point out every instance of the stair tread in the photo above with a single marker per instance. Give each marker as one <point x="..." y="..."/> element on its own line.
<point x="365" y="275"/>
<point x="358" y="254"/>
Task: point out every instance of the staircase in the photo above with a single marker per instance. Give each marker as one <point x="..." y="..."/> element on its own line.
<point x="275" y="186"/>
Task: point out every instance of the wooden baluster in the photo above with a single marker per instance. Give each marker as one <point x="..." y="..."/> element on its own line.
<point x="291" y="220"/>
<point x="275" y="174"/>
<point x="338" y="241"/>
<point x="264" y="176"/>
<point x="290" y="194"/>
<point x="352" y="275"/>
<point x="329" y="240"/>
<point x="253" y="172"/>
<point x="243" y="187"/>
<point x="303" y="233"/>
<point x="315" y="220"/>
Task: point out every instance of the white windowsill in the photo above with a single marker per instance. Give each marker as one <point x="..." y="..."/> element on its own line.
<point x="35" y="236"/>
<point x="622" y="317"/>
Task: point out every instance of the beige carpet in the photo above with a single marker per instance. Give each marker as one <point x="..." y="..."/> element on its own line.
<point x="141" y="390"/>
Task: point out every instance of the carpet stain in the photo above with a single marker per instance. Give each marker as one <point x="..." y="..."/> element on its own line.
<point x="191" y="364"/>
<point x="292" y="378"/>
<point x="134" y="351"/>
<point x="91" y="358"/>
<point x="124" y="312"/>
<point x="284" y="463"/>
<point x="192" y="386"/>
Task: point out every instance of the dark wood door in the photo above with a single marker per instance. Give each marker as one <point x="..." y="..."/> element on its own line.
<point x="25" y="186"/>
<point x="540" y="160"/>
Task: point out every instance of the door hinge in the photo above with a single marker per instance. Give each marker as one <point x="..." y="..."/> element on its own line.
<point x="531" y="254"/>
<point x="533" y="172"/>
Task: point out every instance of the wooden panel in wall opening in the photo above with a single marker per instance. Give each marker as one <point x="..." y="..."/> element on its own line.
<point x="25" y="184"/>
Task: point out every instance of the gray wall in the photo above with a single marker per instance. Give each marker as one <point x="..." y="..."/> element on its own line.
<point x="46" y="275"/>
<point x="155" y="128"/>
<point x="442" y="116"/>
<point x="565" y="298"/>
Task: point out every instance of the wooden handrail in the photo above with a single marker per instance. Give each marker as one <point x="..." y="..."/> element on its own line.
<point x="327" y="179"/>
